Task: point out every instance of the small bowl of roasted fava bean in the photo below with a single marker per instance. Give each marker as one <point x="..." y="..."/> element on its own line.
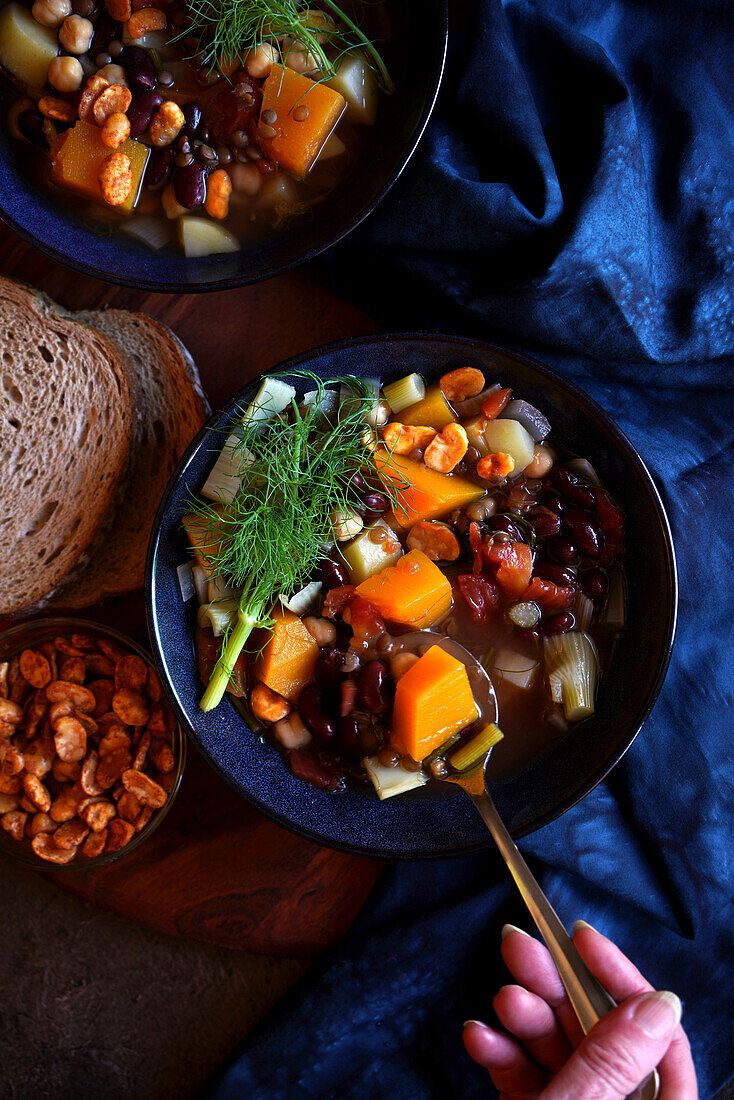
<point x="91" y="755"/>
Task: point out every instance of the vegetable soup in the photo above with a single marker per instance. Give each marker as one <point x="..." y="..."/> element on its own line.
<point x="352" y="544"/>
<point x="201" y="126"/>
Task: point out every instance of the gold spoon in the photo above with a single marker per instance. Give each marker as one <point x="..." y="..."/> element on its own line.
<point x="587" y="995"/>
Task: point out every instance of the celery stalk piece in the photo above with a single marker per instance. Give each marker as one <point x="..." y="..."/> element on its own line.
<point x="185" y="574"/>
<point x="391" y="781"/>
<point x="583" y="611"/>
<point x="325" y="402"/>
<point x="303" y="601"/>
<point x="200" y="584"/>
<point x="272" y="398"/>
<point x="477" y="748"/>
<point x="573" y="660"/>
<point x="247" y="619"/>
<point x="406" y="391"/>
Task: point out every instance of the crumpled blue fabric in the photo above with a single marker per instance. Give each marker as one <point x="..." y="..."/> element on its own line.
<point x="574" y="199"/>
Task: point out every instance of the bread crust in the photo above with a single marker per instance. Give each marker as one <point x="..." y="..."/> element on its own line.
<point x="68" y="424"/>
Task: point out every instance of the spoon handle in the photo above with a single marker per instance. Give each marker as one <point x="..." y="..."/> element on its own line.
<point x="588" y="996"/>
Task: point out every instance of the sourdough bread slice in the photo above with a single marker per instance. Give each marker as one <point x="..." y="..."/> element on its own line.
<point x="67" y="422"/>
<point x="173" y="409"/>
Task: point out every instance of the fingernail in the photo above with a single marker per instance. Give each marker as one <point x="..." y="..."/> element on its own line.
<point x="658" y="1014"/>
<point x="477" y="1023"/>
<point x="512" y="928"/>
<point x="582" y="924"/>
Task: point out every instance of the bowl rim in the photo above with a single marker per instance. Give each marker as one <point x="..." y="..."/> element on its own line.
<point x="463" y="343"/>
<point x="27" y="856"/>
<point x="206" y="287"/>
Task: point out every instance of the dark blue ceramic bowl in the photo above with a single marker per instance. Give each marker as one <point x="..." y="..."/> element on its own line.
<point x="435" y="821"/>
<point x="420" y="32"/>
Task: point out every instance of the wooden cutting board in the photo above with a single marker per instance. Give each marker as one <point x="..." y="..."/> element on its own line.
<point x="216" y="870"/>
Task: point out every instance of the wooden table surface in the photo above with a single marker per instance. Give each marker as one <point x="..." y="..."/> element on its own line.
<point x="216" y="870"/>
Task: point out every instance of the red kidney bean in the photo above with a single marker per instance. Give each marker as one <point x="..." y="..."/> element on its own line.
<point x="594" y="584"/>
<point x="307" y="766"/>
<point x="334" y="574"/>
<point x="192" y="118"/>
<point x="141" y="110"/>
<point x="550" y="499"/>
<point x="159" y="167"/>
<point x="375" y="504"/>
<point x="556" y="574"/>
<point x="559" y="624"/>
<point x="140" y="67"/>
<point x="374" y="687"/>
<point x="349" y="735"/>
<point x="105" y="29"/>
<point x="546" y="524"/>
<point x="311" y="709"/>
<point x="572" y="487"/>
<point x="584" y="532"/>
<point x="504" y="523"/>
<point x="328" y="671"/>
<point x="30" y="124"/>
<point x="358" y="482"/>
<point x="189" y="185"/>
<point x="481" y="595"/>
<point x="563" y="551"/>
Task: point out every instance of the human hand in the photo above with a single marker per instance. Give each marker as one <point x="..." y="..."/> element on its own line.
<point x="543" y="1054"/>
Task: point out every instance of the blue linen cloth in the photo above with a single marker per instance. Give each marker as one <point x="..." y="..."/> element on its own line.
<point x="573" y="198"/>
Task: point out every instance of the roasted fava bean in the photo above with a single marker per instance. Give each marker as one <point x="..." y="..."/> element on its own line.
<point x="166" y="123"/>
<point x="45" y="847"/>
<point x="462" y="383"/>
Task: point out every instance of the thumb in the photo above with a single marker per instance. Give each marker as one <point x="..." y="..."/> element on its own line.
<point x="620" y="1050"/>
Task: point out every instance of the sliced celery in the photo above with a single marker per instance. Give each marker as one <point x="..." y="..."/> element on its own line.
<point x="583" y="611"/>
<point x="476" y="749"/>
<point x="218" y="589"/>
<point x="303" y="601"/>
<point x="406" y="391"/>
<point x="220" y="615"/>
<point x="200" y="583"/>
<point x="524" y="615"/>
<point x="224" y="481"/>
<point x="572" y="659"/>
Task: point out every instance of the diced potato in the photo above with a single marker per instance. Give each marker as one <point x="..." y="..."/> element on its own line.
<point x="510" y="437"/>
<point x="78" y="154"/>
<point x="355" y="80"/>
<point x="364" y="557"/>
<point x="201" y="237"/>
<point x="26" y="48"/>
<point x="332" y="147"/>
<point x="278" y="192"/>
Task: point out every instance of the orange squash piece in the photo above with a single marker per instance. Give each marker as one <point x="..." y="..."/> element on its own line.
<point x="414" y="591"/>
<point x="433" y="701"/>
<point x="77" y="156"/>
<point x="433" y="410"/>
<point x="298" y="140"/>
<point x="205" y="547"/>
<point x="422" y="493"/>
<point x="287" y="662"/>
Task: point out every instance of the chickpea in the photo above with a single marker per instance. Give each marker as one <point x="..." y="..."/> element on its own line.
<point x="51" y="13"/>
<point x="75" y="34"/>
<point x="260" y="60"/>
<point x="541" y="462"/>
<point x="65" y="74"/>
<point x="400" y="664"/>
<point x="321" y="630"/>
<point x="299" y="61"/>
<point x="246" y="178"/>
<point x="345" y="524"/>
<point x="113" y="74"/>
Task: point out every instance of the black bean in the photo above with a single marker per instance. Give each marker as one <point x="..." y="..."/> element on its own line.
<point x="189" y="185"/>
<point x="30" y="124"/>
<point x="159" y="168"/>
<point x="192" y="118"/>
<point x="140" y="68"/>
<point x="334" y="574"/>
<point x="312" y="712"/>
<point x="144" y="105"/>
<point x="373" y="687"/>
<point x="584" y="532"/>
<point x="594" y="583"/>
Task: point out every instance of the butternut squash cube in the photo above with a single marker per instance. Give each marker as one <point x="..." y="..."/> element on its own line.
<point x="299" y="134"/>
<point x="422" y="493"/>
<point x="77" y="156"/>
<point x="287" y="662"/>
<point x="433" y="410"/>
<point x="414" y="591"/>
<point x="433" y="701"/>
